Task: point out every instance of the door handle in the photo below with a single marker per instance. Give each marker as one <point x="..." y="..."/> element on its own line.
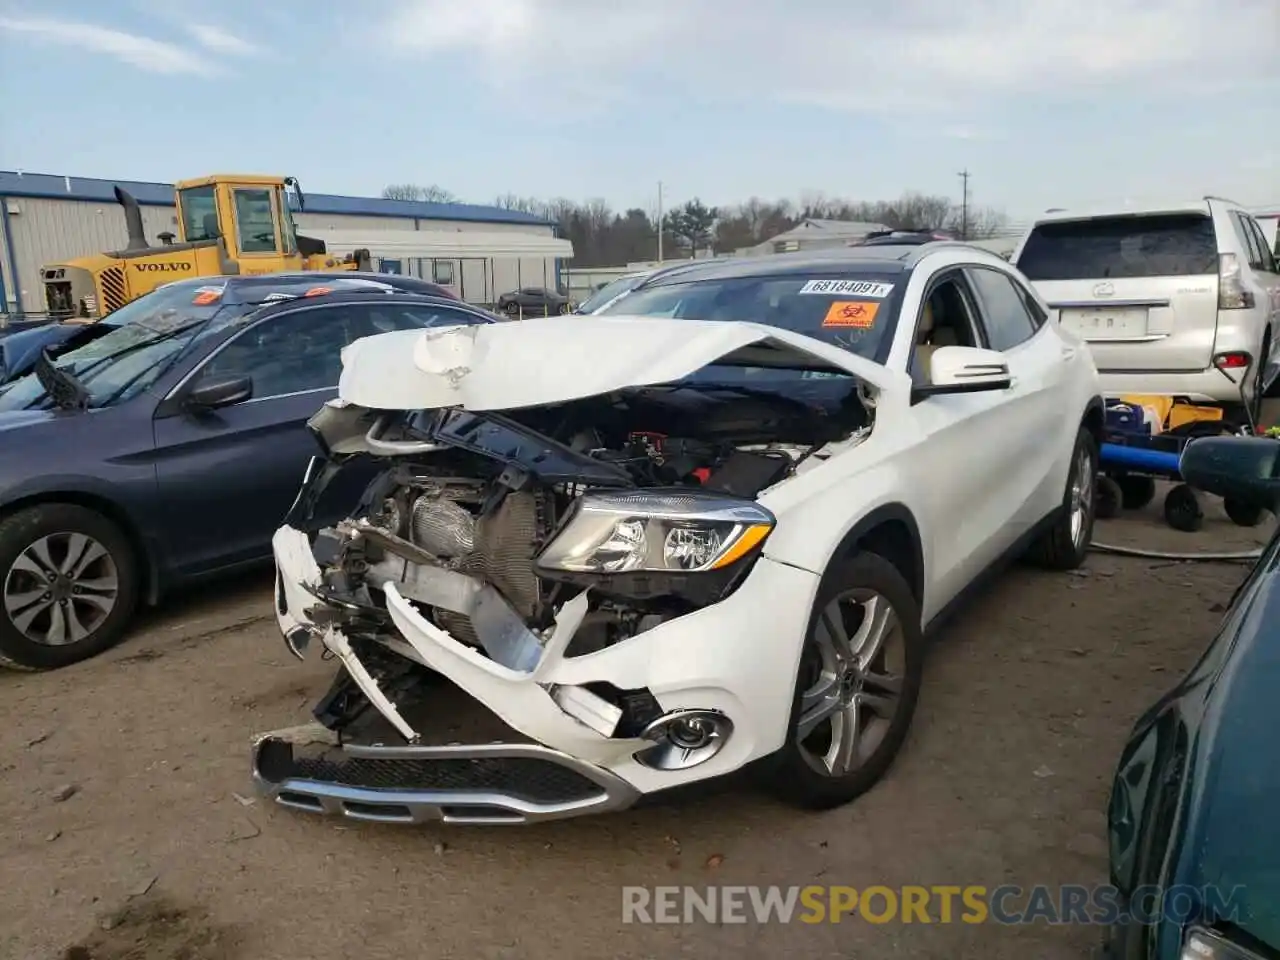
<point x="1069" y="352"/>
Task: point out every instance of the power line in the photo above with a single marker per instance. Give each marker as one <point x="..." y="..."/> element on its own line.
<point x="964" y="204"/>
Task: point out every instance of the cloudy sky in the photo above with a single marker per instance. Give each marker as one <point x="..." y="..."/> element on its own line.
<point x="1045" y="102"/>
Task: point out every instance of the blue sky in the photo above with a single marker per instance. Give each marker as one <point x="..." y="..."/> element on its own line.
<point x="1045" y="102"/>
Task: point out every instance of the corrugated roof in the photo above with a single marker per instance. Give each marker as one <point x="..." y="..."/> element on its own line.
<point x="53" y="186"/>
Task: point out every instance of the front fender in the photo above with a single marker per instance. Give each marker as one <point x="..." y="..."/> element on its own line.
<point x="814" y="527"/>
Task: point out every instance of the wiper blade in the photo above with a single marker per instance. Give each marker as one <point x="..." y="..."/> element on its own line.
<point x="64" y="389"/>
<point x="134" y="347"/>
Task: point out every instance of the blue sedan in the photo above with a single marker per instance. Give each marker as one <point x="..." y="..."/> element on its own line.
<point x="166" y="450"/>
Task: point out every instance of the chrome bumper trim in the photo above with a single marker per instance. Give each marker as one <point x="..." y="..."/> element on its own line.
<point x="414" y="806"/>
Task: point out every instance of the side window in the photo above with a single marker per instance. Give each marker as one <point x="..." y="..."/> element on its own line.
<point x="1004" y="309"/>
<point x="1038" y="315"/>
<point x="199" y="213"/>
<point x="946" y="319"/>
<point x="368" y="321"/>
<point x="255" y="225"/>
<point x="1247" y="240"/>
<point x="292" y="353"/>
<point x="1267" y="255"/>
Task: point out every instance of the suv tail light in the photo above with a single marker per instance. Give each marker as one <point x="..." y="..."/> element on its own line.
<point x="1236" y="360"/>
<point x="1231" y="292"/>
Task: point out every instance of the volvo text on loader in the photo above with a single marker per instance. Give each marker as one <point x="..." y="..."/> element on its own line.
<point x="227" y="225"/>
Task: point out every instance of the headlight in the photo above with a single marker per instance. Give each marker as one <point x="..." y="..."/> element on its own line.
<point x="1203" y="945"/>
<point x="656" y="532"/>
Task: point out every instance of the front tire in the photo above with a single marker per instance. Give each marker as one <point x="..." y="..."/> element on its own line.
<point x="856" y="687"/>
<point x="1065" y="544"/>
<point x="68" y="586"/>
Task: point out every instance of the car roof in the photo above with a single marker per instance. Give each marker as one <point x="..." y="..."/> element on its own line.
<point x="846" y="260"/>
<point x="399" y="296"/>
<point x="875" y="259"/>
<point x="1060" y="214"/>
<point x="238" y="282"/>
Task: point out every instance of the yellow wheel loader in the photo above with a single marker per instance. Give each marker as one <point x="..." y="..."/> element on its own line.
<point x="227" y="225"/>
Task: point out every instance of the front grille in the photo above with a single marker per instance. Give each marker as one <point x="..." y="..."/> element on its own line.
<point x="113" y="292"/>
<point x="528" y="778"/>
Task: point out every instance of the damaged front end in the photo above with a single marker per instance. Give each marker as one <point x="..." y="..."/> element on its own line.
<point x="591" y="572"/>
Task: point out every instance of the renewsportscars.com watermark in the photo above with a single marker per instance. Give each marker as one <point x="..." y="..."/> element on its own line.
<point x="1069" y="904"/>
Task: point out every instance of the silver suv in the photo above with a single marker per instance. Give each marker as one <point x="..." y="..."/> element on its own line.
<point x="1179" y="300"/>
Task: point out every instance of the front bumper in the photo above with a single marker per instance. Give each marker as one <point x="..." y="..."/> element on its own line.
<point x="736" y="658"/>
<point x="494" y="783"/>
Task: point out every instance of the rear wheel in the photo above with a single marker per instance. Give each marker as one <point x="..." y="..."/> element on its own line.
<point x="1064" y="545"/>
<point x="68" y="586"/>
<point x="856" y="687"/>
<point x="1108" y="498"/>
<point x="1182" y="509"/>
<point x="1242" y="514"/>
<point x="1136" y="492"/>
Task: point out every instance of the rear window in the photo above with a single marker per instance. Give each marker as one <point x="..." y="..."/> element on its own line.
<point x="1166" y="245"/>
<point x="856" y="311"/>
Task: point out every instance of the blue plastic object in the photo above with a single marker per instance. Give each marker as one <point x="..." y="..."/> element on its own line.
<point x="1139" y="458"/>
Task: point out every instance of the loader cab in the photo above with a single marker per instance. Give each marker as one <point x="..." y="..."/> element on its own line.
<point x="251" y="214"/>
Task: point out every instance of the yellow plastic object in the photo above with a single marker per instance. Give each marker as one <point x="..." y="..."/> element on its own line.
<point x="1161" y="405"/>
<point x="1190" y="413"/>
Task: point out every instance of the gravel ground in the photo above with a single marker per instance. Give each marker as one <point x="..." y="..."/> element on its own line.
<point x="128" y="831"/>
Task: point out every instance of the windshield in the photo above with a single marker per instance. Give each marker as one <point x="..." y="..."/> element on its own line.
<point x="855" y="312"/>
<point x="608" y="292"/>
<point x="148" y="336"/>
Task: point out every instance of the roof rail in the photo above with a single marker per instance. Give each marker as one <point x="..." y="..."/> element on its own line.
<point x="1056" y="210"/>
<point x="1222" y="200"/>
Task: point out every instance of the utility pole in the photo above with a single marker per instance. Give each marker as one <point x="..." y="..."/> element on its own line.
<point x="964" y="204"/>
<point x="659" y="221"/>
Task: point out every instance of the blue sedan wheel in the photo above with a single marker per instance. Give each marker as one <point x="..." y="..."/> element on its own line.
<point x="68" y="585"/>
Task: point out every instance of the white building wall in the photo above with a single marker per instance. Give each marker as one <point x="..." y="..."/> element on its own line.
<point x="49" y="231"/>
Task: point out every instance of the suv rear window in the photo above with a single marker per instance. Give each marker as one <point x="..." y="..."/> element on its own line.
<point x="1163" y="245"/>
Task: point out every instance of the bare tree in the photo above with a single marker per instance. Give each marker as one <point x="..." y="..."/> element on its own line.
<point x="412" y="191"/>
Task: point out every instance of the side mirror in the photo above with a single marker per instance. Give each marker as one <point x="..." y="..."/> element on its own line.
<point x="219" y="393"/>
<point x="1246" y="469"/>
<point x="964" y="370"/>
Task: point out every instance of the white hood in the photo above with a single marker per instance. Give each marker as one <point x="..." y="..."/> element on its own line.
<point x="528" y="363"/>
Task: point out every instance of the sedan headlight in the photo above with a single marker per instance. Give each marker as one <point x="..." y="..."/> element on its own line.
<point x="656" y="531"/>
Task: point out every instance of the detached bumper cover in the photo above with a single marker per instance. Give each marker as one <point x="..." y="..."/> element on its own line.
<point x="737" y="657"/>
<point x="306" y="769"/>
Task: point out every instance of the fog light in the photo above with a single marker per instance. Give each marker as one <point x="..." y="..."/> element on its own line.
<point x="684" y="739"/>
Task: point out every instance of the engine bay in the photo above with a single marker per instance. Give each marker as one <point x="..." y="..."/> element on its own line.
<point x="662" y="480"/>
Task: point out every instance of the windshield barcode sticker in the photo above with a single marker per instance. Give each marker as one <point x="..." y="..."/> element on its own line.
<point x="857" y="288"/>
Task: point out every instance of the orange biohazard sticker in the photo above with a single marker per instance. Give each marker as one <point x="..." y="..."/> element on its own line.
<point x="845" y="313"/>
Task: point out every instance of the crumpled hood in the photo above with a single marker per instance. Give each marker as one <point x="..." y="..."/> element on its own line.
<point x="547" y="360"/>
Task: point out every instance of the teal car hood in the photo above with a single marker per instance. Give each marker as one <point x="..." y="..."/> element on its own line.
<point x="1233" y="835"/>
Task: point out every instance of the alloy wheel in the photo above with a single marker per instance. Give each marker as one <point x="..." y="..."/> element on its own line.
<point x="855" y="665"/>
<point x="61" y="589"/>
<point x="1082" y="481"/>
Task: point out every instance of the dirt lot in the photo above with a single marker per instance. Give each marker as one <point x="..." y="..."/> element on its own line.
<point x="128" y="832"/>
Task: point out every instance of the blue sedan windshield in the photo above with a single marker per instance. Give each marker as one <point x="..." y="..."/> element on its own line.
<point x="148" y="335"/>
